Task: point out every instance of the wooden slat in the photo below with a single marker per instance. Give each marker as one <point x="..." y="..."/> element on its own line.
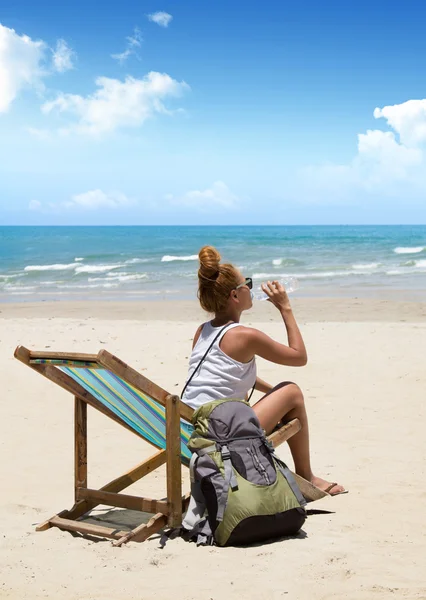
<point x="80" y="444"/>
<point x="87" y="528"/>
<point x="174" y="469"/>
<point x="77" y="356"/>
<point x="309" y="491"/>
<point x="116" y="485"/>
<point x="142" y="469"/>
<point x="120" y="483"/>
<point x="123" y="501"/>
<point x="142" y="532"/>
<point x="120" y="368"/>
<point x="284" y="433"/>
<point x="22" y="354"/>
<point x="44" y="525"/>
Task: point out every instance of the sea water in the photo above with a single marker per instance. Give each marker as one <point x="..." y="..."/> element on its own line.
<point x="125" y="263"/>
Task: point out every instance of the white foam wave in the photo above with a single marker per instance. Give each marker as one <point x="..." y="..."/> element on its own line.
<point x="168" y="258"/>
<point x="78" y="259"/>
<point x="314" y="275"/>
<point x="421" y="264"/>
<point x="19" y="288"/>
<point x="277" y="262"/>
<point x="135" y="261"/>
<point x="96" y="268"/>
<point x="366" y="266"/>
<point x="88" y="286"/>
<point x="126" y="276"/>
<point x="55" y="267"/>
<point x="408" y="250"/>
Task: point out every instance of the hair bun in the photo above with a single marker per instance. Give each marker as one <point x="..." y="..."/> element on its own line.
<point x="209" y="259"/>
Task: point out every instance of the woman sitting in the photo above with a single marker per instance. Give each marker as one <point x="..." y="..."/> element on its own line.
<point x="229" y="369"/>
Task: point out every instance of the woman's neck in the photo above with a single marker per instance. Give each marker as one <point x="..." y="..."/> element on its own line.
<point x="224" y="318"/>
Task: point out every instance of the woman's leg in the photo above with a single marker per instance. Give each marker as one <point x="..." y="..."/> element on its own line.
<point x="286" y="402"/>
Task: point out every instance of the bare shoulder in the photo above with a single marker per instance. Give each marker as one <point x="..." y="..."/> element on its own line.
<point x="240" y="343"/>
<point x="246" y="333"/>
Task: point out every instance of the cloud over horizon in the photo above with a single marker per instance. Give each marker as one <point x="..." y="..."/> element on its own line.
<point x="117" y="103"/>
<point x="218" y="195"/>
<point x="25" y="63"/>
<point x="21" y="65"/>
<point x="387" y="162"/>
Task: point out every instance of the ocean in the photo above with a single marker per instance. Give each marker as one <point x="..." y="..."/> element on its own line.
<point x="144" y="262"/>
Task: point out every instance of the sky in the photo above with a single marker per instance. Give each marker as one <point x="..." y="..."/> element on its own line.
<point x="187" y="112"/>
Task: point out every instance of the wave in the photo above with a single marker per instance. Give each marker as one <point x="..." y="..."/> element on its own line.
<point x="365" y="266"/>
<point x="286" y="262"/>
<point x="409" y="250"/>
<point x="97" y="268"/>
<point x="88" y="286"/>
<point x="126" y="276"/>
<point x="78" y="259"/>
<point x="135" y="261"/>
<point x="19" y="288"/>
<point x="55" y="267"/>
<point x="168" y="258"/>
<point x="313" y="275"/>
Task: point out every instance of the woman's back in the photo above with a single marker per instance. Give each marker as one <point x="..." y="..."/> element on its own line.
<point x="219" y="375"/>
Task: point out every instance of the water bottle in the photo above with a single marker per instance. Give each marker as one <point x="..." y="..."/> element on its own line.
<point x="290" y="284"/>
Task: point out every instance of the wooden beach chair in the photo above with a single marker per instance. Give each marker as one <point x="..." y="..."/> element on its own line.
<point x="118" y="391"/>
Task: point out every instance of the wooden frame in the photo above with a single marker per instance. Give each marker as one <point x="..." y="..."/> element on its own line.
<point x="166" y="512"/>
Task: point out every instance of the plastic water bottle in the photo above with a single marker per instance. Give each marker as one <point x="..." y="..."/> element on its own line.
<point x="290" y="284"/>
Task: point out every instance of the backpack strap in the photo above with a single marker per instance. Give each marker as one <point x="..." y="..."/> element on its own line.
<point x="205" y="354"/>
<point x="230" y="481"/>
<point x="195" y="525"/>
<point x="285" y="471"/>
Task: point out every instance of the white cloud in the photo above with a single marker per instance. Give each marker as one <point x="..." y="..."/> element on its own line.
<point x="24" y="63"/>
<point x="133" y="42"/>
<point x="20" y="64"/>
<point x="34" y="205"/>
<point x="86" y="201"/>
<point x="95" y="199"/>
<point x="387" y="163"/>
<point x="161" y="18"/>
<point x="118" y="103"/>
<point x="407" y="119"/>
<point x="63" y="57"/>
<point x="218" y="195"/>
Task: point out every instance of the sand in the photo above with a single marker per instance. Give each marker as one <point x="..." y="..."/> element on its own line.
<point x="365" y="392"/>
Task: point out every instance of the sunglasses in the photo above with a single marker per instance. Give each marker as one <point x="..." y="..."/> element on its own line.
<point x="248" y="282"/>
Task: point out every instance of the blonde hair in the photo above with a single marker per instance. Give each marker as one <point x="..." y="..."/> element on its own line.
<point x="215" y="280"/>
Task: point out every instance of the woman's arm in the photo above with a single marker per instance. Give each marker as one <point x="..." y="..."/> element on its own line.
<point x="293" y="355"/>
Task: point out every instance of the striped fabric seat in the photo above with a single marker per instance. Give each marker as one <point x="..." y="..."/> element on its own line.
<point x="138" y="410"/>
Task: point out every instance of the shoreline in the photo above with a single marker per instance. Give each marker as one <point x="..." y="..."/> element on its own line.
<point x="306" y="310"/>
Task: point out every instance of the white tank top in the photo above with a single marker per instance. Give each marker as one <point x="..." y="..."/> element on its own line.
<point x="219" y="375"/>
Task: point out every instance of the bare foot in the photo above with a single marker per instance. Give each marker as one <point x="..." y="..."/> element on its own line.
<point x="326" y="486"/>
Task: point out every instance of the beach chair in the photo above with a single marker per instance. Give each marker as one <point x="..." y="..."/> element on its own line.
<point x="120" y="392"/>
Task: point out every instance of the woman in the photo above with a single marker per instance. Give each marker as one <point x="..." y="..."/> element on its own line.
<point x="229" y="368"/>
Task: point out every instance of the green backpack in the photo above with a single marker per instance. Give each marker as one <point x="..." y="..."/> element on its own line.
<point x="241" y="492"/>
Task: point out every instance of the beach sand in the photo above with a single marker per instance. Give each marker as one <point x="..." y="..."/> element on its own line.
<point x="365" y="389"/>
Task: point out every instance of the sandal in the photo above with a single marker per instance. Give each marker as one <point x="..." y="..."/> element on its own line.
<point x="331" y="486"/>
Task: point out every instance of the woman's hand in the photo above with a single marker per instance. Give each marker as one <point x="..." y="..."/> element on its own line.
<point x="277" y="295"/>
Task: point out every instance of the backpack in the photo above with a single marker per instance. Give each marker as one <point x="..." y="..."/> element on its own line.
<point x="241" y="492"/>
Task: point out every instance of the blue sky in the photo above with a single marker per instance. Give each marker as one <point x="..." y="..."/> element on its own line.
<point x="228" y="112"/>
